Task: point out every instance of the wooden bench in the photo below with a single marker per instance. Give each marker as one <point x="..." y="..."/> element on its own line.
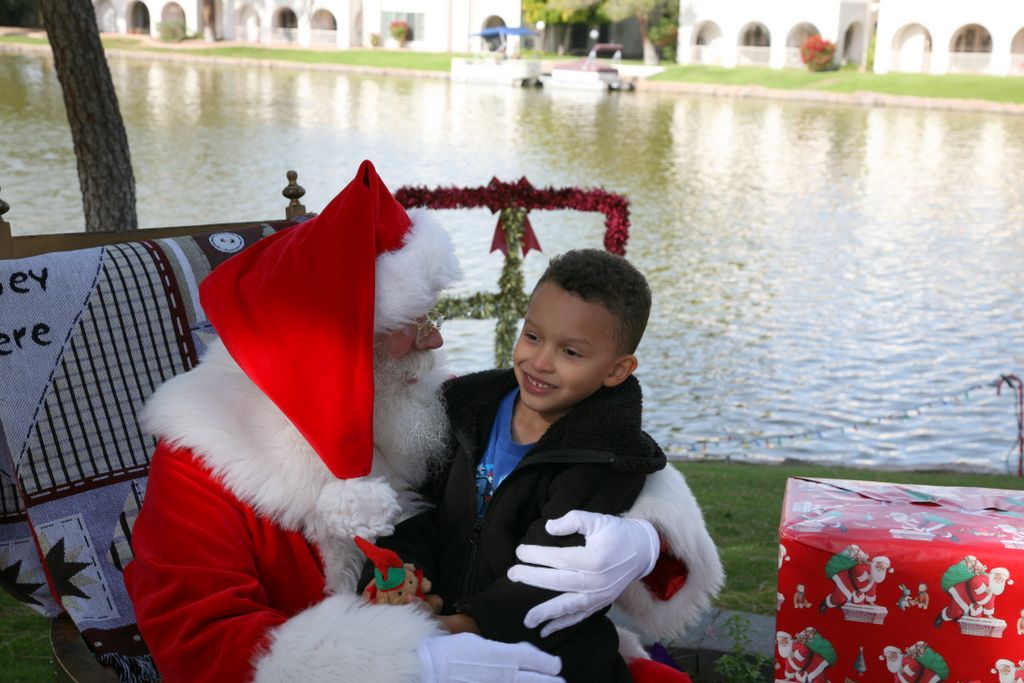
<point x="31" y="268"/>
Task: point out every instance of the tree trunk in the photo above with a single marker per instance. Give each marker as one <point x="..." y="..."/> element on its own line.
<point x="97" y="130"/>
<point x="650" y="53"/>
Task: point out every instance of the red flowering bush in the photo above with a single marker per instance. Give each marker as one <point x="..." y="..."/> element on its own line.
<point x="818" y="53"/>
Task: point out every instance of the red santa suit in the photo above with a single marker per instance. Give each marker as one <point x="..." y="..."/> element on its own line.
<point x="854" y="585"/>
<point x="913" y="671"/>
<point x="970" y="598"/>
<point x="921" y="664"/>
<point x="805" y="665"/>
<point x="244" y="563"/>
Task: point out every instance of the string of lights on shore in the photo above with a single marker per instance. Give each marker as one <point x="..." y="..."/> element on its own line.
<point x="712" y="444"/>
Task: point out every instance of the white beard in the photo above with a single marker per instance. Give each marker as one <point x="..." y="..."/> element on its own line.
<point x="410" y="428"/>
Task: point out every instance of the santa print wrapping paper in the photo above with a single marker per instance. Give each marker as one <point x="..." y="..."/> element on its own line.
<point x="891" y="582"/>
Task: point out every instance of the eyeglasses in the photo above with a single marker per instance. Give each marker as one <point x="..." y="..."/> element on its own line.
<point x="430" y="323"/>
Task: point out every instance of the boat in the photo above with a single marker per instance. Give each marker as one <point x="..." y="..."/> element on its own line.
<point x="592" y="72"/>
<point x="501" y="63"/>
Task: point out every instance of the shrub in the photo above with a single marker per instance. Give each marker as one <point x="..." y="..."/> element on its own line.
<point x="818" y="53"/>
<point x="664" y="35"/>
<point x="171" y="31"/>
<point x="375" y="40"/>
<point x="400" y="30"/>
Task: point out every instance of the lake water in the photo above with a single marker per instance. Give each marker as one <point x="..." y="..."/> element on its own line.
<point x="846" y="281"/>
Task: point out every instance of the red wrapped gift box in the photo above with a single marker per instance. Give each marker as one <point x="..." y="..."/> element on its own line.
<point x="893" y="582"/>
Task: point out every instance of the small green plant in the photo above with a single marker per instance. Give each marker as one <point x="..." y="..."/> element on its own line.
<point x="400" y="31"/>
<point x="375" y="40"/>
<point x="171" y="31"/>
<point x="738" y="666"/>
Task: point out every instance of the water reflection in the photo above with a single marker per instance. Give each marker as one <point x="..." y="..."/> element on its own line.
<point x="814" y="266"/>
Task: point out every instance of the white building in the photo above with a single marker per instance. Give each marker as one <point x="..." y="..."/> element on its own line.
<point x="436" y="25"/>
<point x="754" y="32"/>
<point x="942" y="36"/>
<point x="928" y="36"/>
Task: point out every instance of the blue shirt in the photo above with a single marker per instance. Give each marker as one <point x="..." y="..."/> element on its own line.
<point x="502" y="454"/>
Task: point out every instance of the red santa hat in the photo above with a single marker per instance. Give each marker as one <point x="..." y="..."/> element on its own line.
<point x="299" y="309"/>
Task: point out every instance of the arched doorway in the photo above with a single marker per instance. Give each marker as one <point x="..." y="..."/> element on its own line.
<point x="853" y="44"/>
<point x="912" y="49"/>
<point x="707" y="44"/>
<point x="286" y="26"/>
<point x="172" y="23"/>
<point x="970" y="51"/>
<point x="754" y="45"/>
<point x="1017" y="53"/>
<point x="323" y="27"/>
<point x="106" y="17"/>
<point x="138" y="18"/>
<point x="247" y="27"/>
<point x="795" y="40"/>
<point x="173" y="14"/>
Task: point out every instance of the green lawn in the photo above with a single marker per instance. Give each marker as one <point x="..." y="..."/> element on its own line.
<point x="24" y="643"/>
<point x="400" y="59"/>
<point x="23" y="39"/>
<point x="993" y="88"/>
<point x="741" y="503"/>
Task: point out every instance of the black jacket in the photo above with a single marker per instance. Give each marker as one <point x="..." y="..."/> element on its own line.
<point x="595" y="458"/>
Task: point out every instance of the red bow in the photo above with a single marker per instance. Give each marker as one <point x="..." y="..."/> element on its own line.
<point x="529" y="238"/>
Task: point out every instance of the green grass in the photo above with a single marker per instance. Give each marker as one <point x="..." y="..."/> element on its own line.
<point x="992" y="88"/>
<point x="742" y="504"/>
<point x="24" y="643"/>
<point x="398" y="59"/>
<point x="24" y="39"/>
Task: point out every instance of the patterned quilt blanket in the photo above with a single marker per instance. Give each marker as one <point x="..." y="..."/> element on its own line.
<point x="85" y="337"/>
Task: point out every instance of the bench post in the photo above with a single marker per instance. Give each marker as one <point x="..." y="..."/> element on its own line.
<point x="294" y="192"/>
<point x="6" y="241"/>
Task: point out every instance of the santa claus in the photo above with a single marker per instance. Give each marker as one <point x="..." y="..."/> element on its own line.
<point x="1007" y="672"/>
<point x="311" y="420"/>
<point x="972" y="590"/>
<point x="810" y="655"/>
<point x="921" y="664"/>
<point x="856" y="577"/>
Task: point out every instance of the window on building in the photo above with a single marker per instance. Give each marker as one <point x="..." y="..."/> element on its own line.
<point x="414" y="21"/>
<point x="973" y="38"/>
<point x="756" y="35"/>
<point x="287" y="19"/>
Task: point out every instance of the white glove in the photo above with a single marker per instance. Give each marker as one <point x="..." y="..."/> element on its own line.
<point x="469" y="658"/>
<point x="590" y="577"/>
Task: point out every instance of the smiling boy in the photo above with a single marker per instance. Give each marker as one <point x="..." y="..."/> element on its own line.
<point x="560" y="431"/>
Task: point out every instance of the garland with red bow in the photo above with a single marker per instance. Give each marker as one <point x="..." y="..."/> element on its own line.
<point x="513" y="203"/>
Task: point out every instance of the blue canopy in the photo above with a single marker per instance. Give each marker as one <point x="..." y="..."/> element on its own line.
<point x="505" y="31"/>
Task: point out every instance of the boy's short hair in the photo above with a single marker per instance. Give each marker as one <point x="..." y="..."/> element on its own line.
<point x="613" y="282"/>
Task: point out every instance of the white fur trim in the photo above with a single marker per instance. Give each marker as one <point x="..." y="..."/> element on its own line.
<point x="216" y="411"/>
<point x="355" y="507"/>
<point x="668" y="503"/>
<point x="254" y="450"/>
<point x="409" y="280"/>
<point x="345" y="639"/>
<point x="630" y="646"/>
